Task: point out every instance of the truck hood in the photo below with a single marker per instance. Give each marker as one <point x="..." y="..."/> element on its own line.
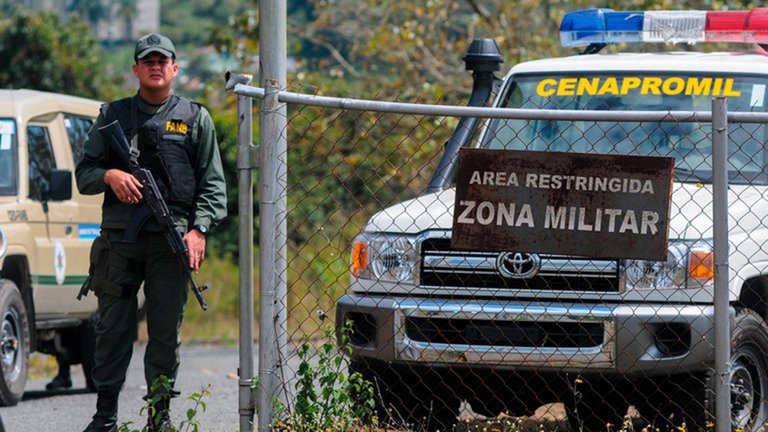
<point x="690" y="212"/>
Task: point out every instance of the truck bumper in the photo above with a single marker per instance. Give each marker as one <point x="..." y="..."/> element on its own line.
<point x="626" y="339"/>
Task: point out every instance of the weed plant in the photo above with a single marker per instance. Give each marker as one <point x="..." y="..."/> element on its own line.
<point x="161" y="388"/>
<point x="326" y="397"/>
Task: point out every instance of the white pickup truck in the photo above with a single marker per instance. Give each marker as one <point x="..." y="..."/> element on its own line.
<point x="434" y="325"/>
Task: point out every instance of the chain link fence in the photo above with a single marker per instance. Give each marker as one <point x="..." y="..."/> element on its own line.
<point x="460" y="339"/>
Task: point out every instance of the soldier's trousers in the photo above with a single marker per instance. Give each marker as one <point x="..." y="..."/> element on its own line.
<point x="149" y="261"/>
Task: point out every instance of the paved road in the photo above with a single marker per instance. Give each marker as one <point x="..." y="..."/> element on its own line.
<point x="71" y="411"/>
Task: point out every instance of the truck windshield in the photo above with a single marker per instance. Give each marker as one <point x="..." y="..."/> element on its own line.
<point x="689" y="143"/>
<point x="8" y="164"/>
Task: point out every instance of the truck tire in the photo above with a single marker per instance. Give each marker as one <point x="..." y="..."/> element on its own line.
<point x="749" y="373"/>
<point x="87" y="348"/>
<point x="14" y="344"/>
<point x="696" y="399"/>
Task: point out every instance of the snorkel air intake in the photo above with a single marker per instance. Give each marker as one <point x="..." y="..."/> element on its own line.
<point x="483" y="58"/>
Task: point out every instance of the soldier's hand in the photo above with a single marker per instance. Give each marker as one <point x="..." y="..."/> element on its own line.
<point x="196" y="246"/>
<point x="124" y="185"/>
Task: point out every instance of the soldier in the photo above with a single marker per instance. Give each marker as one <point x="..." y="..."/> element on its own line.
<point x="177" y="143"/>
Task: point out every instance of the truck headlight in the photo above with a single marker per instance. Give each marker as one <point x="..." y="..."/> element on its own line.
<point x="386" y="257"/>
<point x="688" y="265"/>
<point x="3" y="243"/>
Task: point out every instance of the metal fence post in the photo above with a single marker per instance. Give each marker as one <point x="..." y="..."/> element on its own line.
<point x="270" y="300"/>
<point x="272" y="262"/>
<point x="245" y="211"/>
<point x="720" y="232"/>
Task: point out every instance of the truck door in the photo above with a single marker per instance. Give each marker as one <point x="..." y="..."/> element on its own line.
<point x="87" y="226"/>
<point x="56" y="283"/>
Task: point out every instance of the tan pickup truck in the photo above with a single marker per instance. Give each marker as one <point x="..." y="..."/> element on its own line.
<point x="46" y="230"/>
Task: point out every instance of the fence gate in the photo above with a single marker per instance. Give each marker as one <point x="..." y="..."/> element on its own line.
<point x="459" y="335"/>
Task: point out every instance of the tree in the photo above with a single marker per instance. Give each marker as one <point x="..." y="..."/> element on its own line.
<point x="239" y="38"/>
<point x="38" y="52"/>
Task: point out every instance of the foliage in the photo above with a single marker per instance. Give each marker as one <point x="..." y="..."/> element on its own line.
<point x="355" y="161"/>
<point x="191" y="422"/>
<point x="412" y="50"/>
<point x="343" y="166"/>
<point x="239" y="35"/>
<point x="343" y="402"/>
<point x="190" y="22"/>
<point x="160" y="389"/>
<point x="38" y="51"/>
<point x="241" y="43"/>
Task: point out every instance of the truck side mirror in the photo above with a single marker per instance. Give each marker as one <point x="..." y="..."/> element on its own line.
<point x="61" y="185"/>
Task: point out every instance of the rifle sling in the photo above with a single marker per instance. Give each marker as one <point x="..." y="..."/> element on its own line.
<point x="135" y="132"/>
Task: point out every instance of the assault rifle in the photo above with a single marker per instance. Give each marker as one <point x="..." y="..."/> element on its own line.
<point x="152" y="199"/>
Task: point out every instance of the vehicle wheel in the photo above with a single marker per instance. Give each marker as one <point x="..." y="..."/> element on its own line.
<point x="410" y="398"/>
<point x="749" y="374"/>
<point x="14" y="344"/>
<point x="748" y="381"/>
<point x="87" y="347"/>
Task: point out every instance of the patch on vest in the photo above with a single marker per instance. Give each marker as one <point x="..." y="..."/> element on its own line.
<point x="177" y="126"/>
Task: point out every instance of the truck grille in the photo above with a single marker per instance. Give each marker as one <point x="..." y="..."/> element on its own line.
<point x="443" y="267"/>
<point x="500" y="333"/>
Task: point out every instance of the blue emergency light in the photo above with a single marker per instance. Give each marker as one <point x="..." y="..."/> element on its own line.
<point x="604" y="26"/>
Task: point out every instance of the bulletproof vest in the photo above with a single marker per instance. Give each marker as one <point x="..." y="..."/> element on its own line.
<point x="165" y="143"/>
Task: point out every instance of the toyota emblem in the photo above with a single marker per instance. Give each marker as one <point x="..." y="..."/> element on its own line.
<point x="517" y="265"/>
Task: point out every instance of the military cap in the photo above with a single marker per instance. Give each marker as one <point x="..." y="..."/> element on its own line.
<point x="154" y="42"/>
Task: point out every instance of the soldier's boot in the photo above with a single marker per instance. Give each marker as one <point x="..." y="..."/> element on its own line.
<point x="159" y="419"/>
<point x="63" y="380"/>
<point x="105" y="419"/>
<point x="59" y="383"/>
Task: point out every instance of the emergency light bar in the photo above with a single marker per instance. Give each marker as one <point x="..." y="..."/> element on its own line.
<point x="604" y="26"/>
